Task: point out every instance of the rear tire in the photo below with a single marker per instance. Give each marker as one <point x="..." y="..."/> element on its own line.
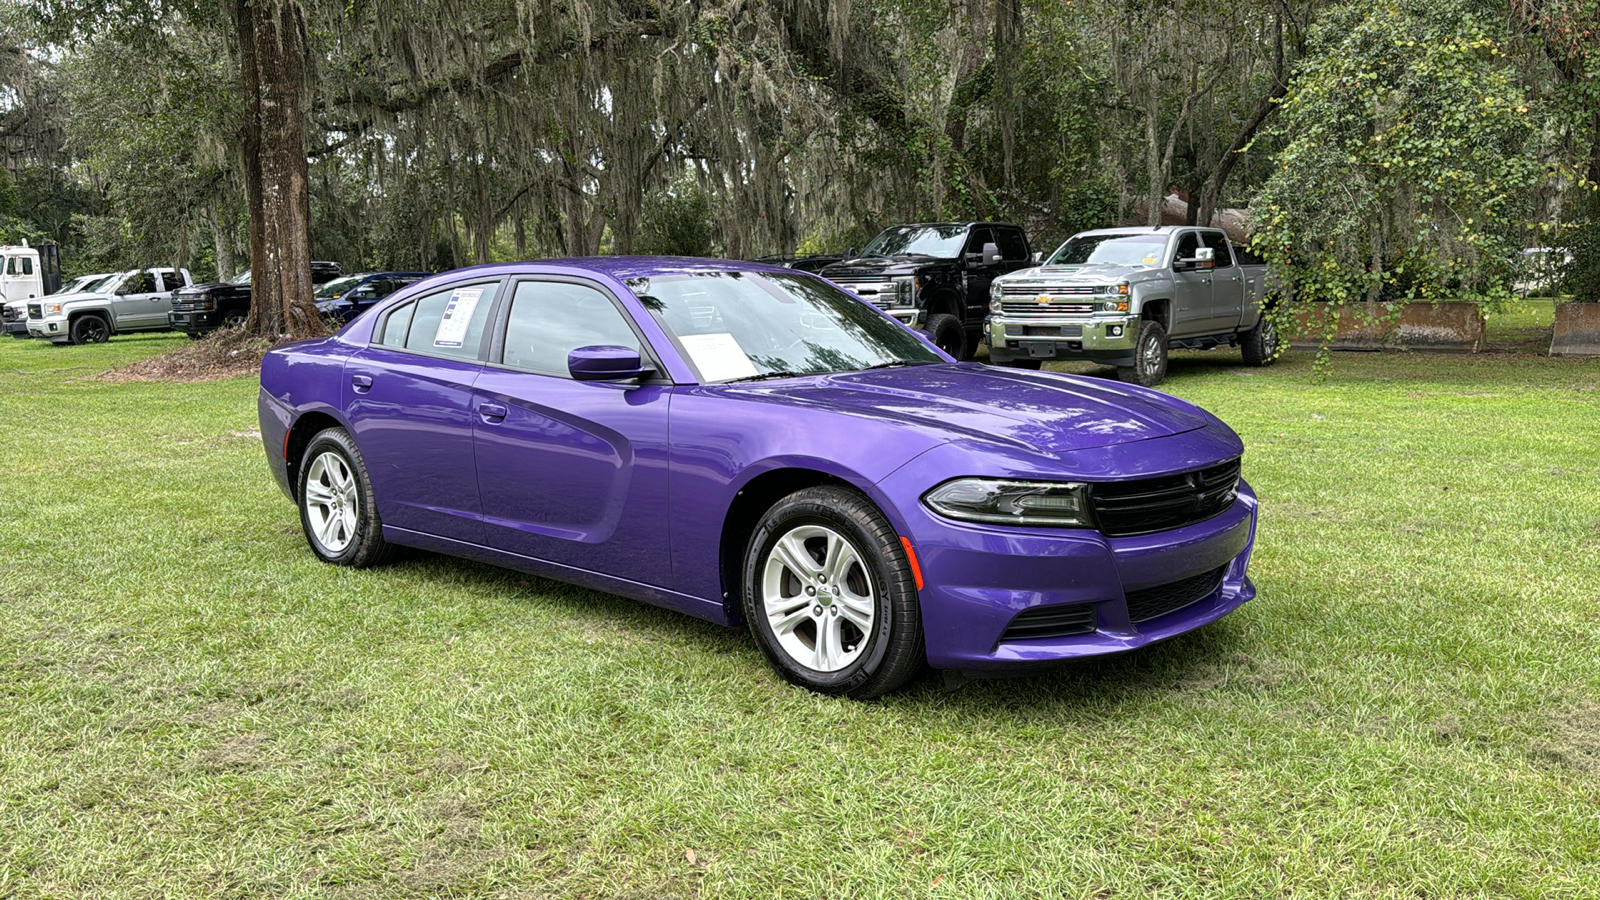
<point x="948" y="335"/>
<point x="830" y="596"/>
<point x="90" y="329"/>
<point x="337" y="510"/>
<point x="1149" y="356"/>
<point x="1259" y="345"/>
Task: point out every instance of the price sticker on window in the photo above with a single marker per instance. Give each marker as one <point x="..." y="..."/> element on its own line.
<point x="457" y="317"/>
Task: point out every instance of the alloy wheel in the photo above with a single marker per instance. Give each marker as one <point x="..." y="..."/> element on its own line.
<point x="818" y="597"/>
<point x="331" y="502"/>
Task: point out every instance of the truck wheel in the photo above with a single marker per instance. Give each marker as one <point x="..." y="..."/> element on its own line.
<point x="948" y="335"/>
<point x="234" y="319"/>
<point x="830" y="595"/>
<point x="1259" y="345"/>
<point x="1149" y="356"/>
<point x="90" y="329"/>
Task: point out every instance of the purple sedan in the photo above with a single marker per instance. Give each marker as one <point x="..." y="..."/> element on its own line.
<point x="752" y="444"/>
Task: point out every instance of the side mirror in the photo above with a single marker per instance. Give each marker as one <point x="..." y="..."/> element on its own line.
<point x="1038" y="257"/>
<point x="1203" y="258"/>
<point x="606" y="363"/>
<point x="1205" y="255"/>
<point x="991" y="254"/>
<point x="849" y="253"/>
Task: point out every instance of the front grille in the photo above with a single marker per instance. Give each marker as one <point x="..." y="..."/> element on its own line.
<point x="1053" y="290"/>
<point x="35" y="310"/>
<point x="1153" y="603"/>
<point x="1123" y="508"/>
<point x="1020" y="310"/>
<point x="869" y="290"/>
<point x="10" y="314"/>
<point x="1051" y="622"/>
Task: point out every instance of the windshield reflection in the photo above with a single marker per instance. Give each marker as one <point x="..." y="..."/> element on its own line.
<point x="743" y="326"/>
<point x="1110" y="249"/>
<point x="943" y="241"/>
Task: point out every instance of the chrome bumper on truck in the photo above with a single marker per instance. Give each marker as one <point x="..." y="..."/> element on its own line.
<point x="1103" y="339"/>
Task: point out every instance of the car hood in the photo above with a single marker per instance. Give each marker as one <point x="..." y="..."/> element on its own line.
<point x="906" y="264"/>
<point x="68" y="298"/>
<point x="1040" y="412"/>
<point x="1097" y="273"/>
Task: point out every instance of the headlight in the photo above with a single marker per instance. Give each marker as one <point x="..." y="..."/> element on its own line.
<point x="995" y="290"/>
<point x="1114" y="305"/>
<point x="1000" y="502"/>
<point x="996" y="306"/>
<point x="52" y="309"/>
<point x="905" y="290"/>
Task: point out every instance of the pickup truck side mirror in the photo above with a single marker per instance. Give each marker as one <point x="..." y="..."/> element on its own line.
<point x="1038" y="257"/>
<point x="849" y="253"/>
<point x="1203" y="258"/>
<point x="991" y="254"/>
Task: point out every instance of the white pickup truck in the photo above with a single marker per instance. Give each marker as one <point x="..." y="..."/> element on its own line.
<point x="1125" y="296"/>
<point x="136" y="301"/>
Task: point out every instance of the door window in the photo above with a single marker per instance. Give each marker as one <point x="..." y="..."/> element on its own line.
<point x="138" y="283"/>
<point x="980" y="236"/>
<point x="449" y="322"/>
<point x="550" y="319"/>
<point x="1013" y="248"/>
<point x="1218" y="242"/>
<point x="1188" y="243"/>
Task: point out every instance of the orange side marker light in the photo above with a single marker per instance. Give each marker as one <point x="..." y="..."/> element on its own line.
<point x="911" y="555"/>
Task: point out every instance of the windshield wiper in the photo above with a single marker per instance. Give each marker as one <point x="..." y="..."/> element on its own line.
<point x="765" y="376"/>
<point x="894" y="364"/>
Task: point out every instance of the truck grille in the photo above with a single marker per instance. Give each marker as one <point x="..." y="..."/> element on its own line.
<point x="1053" y="290"/>
<point x="1148" y="505"/>
<point x="1153" y="603"/>
<point x="1020" y="310"/>
<point x="1051" y="622"/>
<point x="877" y="292"/>
<point x="35" y="310"/>
<point x="10" y="314"/>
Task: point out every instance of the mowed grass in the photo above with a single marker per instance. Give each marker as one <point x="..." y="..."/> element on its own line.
<point x="190" y="705"/>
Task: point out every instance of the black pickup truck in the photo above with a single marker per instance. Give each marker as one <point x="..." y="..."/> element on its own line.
<point x="936" y="276"/>
<point x="200" y="309"/>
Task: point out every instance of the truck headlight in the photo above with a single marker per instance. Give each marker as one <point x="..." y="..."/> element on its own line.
<point x="1114" y="305"/>
<point x="995" y="306"/>
<point x="998" y="501"/>
<point x="52" y="309"/>
<point x="995" y="290"/>
<point x="905" y="290"/>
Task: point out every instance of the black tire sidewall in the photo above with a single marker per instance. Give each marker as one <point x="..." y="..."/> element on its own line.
<point x="368" y="541"/>
<point x="1139" y="373"/>
<point x="83" y="322"/>
<point x="944" y="327"/>
<point x="811" y="507"/>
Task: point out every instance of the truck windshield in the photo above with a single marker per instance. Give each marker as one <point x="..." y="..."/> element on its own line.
<point x="1111" y="249"/>
<point x="745" y="326"/>
<point x="943" y="241"/>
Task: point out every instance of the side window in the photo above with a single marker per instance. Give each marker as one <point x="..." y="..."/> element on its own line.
<point x="27" y="265"/>
<point x="450" y="322"/>
<point x="1012" y="245"/>
<point x="1187" y="244"/>
<point x="551" y="319"/>
<point x="170" y="280"/>
<point x="396" y="325"/>
<point x="1246" y="257"/>
<point x="138" y="283"/>
<point x="1218" y="242"/>
<point x="979" y="237"/>
<point x="11" y="265"/>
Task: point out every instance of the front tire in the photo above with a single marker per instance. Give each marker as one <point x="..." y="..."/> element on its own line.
<point x="90" y="329"/>
<point x="830" y="596"/>
<point x="234" y="319"/>
<point x="948" y="335"/>
<point x="1149" y="356"/>
<point x="337" y="510"/>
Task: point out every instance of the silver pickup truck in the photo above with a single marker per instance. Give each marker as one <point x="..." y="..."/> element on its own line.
<point x="132" y="301"/>
<point x="1124" y="296"/>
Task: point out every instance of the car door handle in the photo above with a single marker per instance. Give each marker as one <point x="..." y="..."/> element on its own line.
<point x="361" y="383"/>
<point x="492" y="412"/>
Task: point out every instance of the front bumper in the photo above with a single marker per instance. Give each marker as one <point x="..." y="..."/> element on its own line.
<point x="196" y="322"/>
<point x="1099" y="338"/>
<point x="17" y="328"/>
<point x="978" y="579"/>
<point x="54" y="328"/>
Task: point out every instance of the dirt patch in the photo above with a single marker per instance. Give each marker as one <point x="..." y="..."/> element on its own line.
<point x="1574" y="741"/>
<point x="240" y="754"/>
<point x="222" y="354"/>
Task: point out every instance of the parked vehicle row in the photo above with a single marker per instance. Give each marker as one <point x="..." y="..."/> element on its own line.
<point x="200" y="309"/>
<point x="754" y="446"/>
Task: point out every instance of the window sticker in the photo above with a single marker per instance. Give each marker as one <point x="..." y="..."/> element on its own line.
<point x="718" y="356"/>
<point x="1149" y="260"/>
<point x="457" y="317"/>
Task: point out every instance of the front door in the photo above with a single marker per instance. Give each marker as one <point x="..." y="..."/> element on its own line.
<point x="1191" y="291"/>
<point x="1227" y="285"/>
<point x="572" y="472"/>
<point x="409" y="400"/>
<point x="980" y="274"/>
<point x="137" y="303"/>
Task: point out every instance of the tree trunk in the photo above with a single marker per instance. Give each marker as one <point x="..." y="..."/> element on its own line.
<point x="222" y="224"/>
<point x="272" y="51"/>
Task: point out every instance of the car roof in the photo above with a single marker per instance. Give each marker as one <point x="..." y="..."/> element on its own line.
<point x="620" y="267"/>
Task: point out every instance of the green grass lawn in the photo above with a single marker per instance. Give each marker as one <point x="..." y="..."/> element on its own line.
<point x="190" y="705"/>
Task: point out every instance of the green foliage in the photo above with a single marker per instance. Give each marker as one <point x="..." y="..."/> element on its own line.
<point x="678" y="222"/>
<point x="1406" y="167"/>
<point x="1581" y="278"/>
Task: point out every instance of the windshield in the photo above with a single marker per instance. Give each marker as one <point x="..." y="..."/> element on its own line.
<point x="735" y="326"/>
<point x="241" y="278"/>
<point x="98" y="283"/>
<point x="336" y="288"/>
<point x="1111" y="249"/>
<point x="943" y="241"/>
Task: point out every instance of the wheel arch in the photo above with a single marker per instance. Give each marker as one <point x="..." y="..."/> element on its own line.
<point x="760" y="493"/>
<point x="1159" y="311"/>
<point x="99" y="312"/>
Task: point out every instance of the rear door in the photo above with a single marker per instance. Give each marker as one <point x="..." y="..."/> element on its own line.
<point x="408" y="397"/>
<point x="572" y="472"/>
<point x="1191" y="290"/>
